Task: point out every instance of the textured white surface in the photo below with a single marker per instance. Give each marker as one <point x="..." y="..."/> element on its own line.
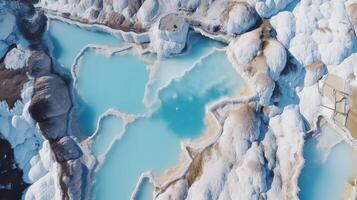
<point x="166" y="42"/>
<point x="284" y="25"/>
<point x="241" y="18"/>
<point x="308" y="33"/>
<point x="275" y="55"/>
<point x="148" y="11"/>
<point x="15" y="59"/>
<point x="267" y="8"/>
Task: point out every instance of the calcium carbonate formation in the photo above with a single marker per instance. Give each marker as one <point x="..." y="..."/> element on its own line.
<point x="299" y="59"/>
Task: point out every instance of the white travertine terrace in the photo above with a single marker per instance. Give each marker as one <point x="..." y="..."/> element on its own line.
<point x="283" y="49"/>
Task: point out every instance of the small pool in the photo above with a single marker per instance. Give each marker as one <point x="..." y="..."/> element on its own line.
<point x="327" y="175"/>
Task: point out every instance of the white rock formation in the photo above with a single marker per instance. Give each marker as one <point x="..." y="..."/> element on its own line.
<point x="169" y="35"/>
<point x="240" y="166"/>
<point x="314" y="72"/>
<point x="241" y="18"/>
<point x="15" y="59"/>
<point x="347" y="69"/>
<point x="259" y="59"/>
<point x="284" y="25"/>
<point x="246" y="47"/>
<point x="289" y="132"/>
<point x="310" y="101"/>
<point x="148" y="11"/>
<point x="323" y="32"/>
<point x="268" y="8"/>
<point x="282" y="60"/>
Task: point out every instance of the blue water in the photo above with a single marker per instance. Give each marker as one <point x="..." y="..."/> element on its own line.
<point x="97" y="96"/>
<point x="168" y="69"/>
<point x="146" y="191"/>
<point x="68" y="40"/>
<point x="110" y="82"/>
<point x="110" y="128"/>
<point x="183" y="102"/>
<point x="181" y="87"/>
<point x="154" y="143"/>
<point x="326" y="179"/>
<point x="147" y="144"/>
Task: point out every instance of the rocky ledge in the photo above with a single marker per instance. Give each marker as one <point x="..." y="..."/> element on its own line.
<point x="165" y="23"/>
<point x="170" y="35"/>
<point x="49" y="107"/>
<point x="24" y="61"/>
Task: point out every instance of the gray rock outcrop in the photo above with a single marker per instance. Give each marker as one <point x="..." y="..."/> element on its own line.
<point x="115" y="20"/>
<point x="66" y="149"/>
<point x="33" y="26"/>
<point x="148" y="11"/>
<point x="72" y="179"/>
<point x="55" y="127"/>
<point x="51" y="98"/>
<point x="39" y="63"/>
<point x="49" y="106"/>
<point x="134" y="6"/>
<point x="23" y="55"/>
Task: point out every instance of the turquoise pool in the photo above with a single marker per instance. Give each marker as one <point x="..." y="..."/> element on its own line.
<point x="327" y="175"/>
<point x="68" y="40"/>
<point x="116" y="82"/>
<point x="153" y="143"/>
<point x="170" y="105"/>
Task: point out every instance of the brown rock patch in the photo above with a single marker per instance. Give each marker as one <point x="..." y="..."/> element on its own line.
<point x="11" y="84"/>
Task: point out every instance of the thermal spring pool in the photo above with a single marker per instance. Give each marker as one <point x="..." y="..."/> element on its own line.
<point x="330" y="167"/>
<point x="116" y="82"/>
<point x="68" y="40"/>
<point x="153" y="143"/>
<point x="111" y="127"/>
<point x="136" y="109"/>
